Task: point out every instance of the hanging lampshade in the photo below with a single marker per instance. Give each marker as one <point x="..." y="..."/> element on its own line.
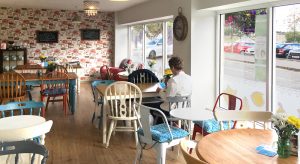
<point x="91" y="7"/>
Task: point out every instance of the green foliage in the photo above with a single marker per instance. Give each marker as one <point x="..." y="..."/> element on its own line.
<point x="153" y="30"/>
<point x="292" y="37"/>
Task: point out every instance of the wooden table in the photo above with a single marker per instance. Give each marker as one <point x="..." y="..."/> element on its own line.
<point x="238" y="146"/>
<point x="34" y="79"/>
<point x="148" y="90"/>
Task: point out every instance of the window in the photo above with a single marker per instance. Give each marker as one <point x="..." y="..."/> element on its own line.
<point x="152" y="45"/>
<point x="243" y="57"/>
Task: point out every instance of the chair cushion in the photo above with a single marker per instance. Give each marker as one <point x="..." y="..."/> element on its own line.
<point x="53" y="91"/>
<point x="161" y="134"/>
<point x="213" y="125"/>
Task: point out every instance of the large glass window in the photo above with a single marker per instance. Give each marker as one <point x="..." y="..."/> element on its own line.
<point x="287" y="30"/>
<point x="243" y="57"/>
<point x="152" y="45"/>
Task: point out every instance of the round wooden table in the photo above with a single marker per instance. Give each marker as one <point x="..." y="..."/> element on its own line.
<point x="238" y="146"/>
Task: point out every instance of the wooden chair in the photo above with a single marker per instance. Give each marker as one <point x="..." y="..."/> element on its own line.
<point x="253" y="116"/>
<point x="121" y="97"/>
<point x="22" y="147"/>
<point x="142" y="76"/>
<point x="61" y="68"/>
<point x="160" y="137"/>
<point x="184" y="147"/>
<point x="210" y="126"/>
<point x="21" y="108"/>
<point x="55" y="88"/>
<point x="12" y="87"/>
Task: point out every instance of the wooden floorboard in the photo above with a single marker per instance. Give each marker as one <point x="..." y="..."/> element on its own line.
<point x="73" y="139"/>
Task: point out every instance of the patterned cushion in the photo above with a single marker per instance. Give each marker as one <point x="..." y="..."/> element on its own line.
<point x="53" y="91"/>
<point x="213" y="125"/>
<point x="161" y="134"/>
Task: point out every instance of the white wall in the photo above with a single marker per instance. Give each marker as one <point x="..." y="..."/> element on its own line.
<point x="121" y="43"/>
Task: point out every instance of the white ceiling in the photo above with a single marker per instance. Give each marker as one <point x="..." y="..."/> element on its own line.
<point x="105" y="5"/>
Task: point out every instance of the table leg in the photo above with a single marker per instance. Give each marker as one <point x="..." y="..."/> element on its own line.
<point x="72" y="90"/>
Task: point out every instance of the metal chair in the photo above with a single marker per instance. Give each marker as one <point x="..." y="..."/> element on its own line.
<point x="12" y="87"/>
<point x="224" y="99"/>
<point x="105" y="73"/>
<point x="56" y="88"/>
<point x="98" y="99"/>
<point x="142" y="76"/>
<point x="19" y="147"/>
<point x="121" y="97"/>
<point x="160" y="137"/>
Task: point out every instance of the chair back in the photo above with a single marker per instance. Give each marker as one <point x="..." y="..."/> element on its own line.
<point x="21" y="108"/>
<point x="61" y="68"/>
<point x="59" y="80"/>
<point x="122" y="97"/>
<point x="189" y="158"/>
<point x="105" y="73"/>
<point x="227" y="101"/>
<point x="179" y="102"/>
<point x="12" y="87"/>
<point x="19" y="147"/>
<point x="25" y="133"/>
<point x="258" y="116"/>
<point x="145" y="122"/>
<point x="70" y="68"/>
<point x="142" y="76"/>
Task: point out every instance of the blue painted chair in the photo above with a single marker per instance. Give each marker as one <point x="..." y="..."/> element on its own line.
<point x="212" y="125"/>
<point x="22" y="147"/>
<point x="160" y="137"/>
<point x="21" y="108"/>
<point x="98" y="99"/>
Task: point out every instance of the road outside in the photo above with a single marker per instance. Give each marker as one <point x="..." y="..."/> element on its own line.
<point x="240" y="72"/>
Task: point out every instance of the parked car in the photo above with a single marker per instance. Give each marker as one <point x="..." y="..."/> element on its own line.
<point x="294" y="54"/>
<point x="250" y="51"/>
<point x="239" y="47"/>
<point x="282" y="50"/>
<point x="154" y="48"/>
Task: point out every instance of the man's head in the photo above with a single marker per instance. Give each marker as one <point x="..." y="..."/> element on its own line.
<point x="176" y="64"/>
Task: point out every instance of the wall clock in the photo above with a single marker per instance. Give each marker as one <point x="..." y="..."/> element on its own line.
<point x="180" y="26"/>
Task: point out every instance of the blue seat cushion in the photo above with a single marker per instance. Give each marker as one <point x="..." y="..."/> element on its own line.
<point x="213" y="125"/>
<point x="160" y="133"/>
<point x="53" y="91"/>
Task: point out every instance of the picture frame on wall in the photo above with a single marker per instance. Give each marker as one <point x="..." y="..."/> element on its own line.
<point x="47" y="36"/>
<point x="90" y="34"/>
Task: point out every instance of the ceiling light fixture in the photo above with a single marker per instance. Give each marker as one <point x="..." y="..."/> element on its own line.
<point x="91" y="7"/>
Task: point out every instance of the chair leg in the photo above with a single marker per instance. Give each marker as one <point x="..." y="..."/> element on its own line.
<point x="101" y="117"/>
<point x="138" y="157"/>
<point x="110" y="131"/>
<point x="161" y="151"/>
<point x="135" y="132"/>
<point x="65" y="104"/>
<point x="114" y="129"/>
<point x="48" y="99"/>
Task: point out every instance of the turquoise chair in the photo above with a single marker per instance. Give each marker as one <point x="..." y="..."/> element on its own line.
<point x="21" y="108"/>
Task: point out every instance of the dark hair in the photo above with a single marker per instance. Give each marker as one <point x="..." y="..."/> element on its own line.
<point x="176" y="62"/>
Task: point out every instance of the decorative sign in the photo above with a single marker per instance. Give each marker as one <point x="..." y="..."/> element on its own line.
<point x="90" y="34"/>
<point x="47" y="36"/>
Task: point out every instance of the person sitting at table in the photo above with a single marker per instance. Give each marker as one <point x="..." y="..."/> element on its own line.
<point x="180" y="84"/>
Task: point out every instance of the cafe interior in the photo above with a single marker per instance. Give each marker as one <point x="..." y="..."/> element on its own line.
<point x="149" y="81"/>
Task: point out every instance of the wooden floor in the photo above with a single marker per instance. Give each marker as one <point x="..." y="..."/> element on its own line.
<point x="73" y="139"/>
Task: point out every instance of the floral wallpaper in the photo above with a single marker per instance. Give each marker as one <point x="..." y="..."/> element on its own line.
<point x="20" y="26"/>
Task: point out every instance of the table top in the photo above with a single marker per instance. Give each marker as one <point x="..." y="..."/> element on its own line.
<point x="22" y="121"/>
<point x="145" y="87"/>
<point x="238" y="146"/>
<point x="192" y="114"/>
<point x="35" y="66"/>
<point x="34" y="76"/>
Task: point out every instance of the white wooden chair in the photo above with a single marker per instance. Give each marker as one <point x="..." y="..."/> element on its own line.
<point x="160" y="137"/>
<point x="121" y="98"/>
<point x="253" y="116"/>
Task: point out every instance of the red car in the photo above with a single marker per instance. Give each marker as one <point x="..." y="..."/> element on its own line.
<point x="238" y="47"/>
